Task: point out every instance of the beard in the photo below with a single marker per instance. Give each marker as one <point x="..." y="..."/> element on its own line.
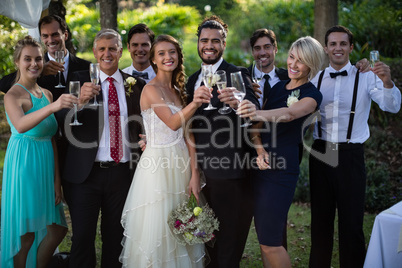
<point x="210" y="61"/>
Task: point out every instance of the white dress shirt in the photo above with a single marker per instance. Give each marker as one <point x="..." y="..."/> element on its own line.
<point x="151" y="73"/>
<point x="103" y="153"/>
<point x="273" y="79"/>
<point x="214" y="69"/>
<point x="66" y="64"/>
<point x="337" y="101"/>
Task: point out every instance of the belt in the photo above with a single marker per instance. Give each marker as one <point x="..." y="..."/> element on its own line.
<point x="335" y="146"/>
<point x="107" y="164"/>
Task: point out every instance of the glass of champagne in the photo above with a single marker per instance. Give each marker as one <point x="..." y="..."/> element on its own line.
<point x="75" y="88"/>
<point x="207" y="78"/>
<point x="240" y="92"/>
<point x="221" y="84"/>
<point x="374" y="57"/>
<point x="59" y="57"/>
<point x="257" y="76"/>
<point x="94" y="72"/>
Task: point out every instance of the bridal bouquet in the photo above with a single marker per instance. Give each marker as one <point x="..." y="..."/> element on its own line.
<point x="192" y="224"/>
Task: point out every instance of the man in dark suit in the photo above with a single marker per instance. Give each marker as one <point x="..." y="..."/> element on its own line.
<point x="99" y="161"/>
<point x="54" y="34"/>
<point x="222" y="151"/>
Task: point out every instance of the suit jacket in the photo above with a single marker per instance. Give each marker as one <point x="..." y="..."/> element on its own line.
<point x="49" y="81"/>
<point x="219" y="138"/>
<point x="80" y="159"/>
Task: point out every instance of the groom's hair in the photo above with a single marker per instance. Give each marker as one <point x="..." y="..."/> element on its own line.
<point x="213" y="22"/>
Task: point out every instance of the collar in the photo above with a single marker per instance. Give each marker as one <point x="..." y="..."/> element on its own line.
<point x="216" y="65"/>
<point x="344" y="68"/>
<point x="118" y="78"/>
<point x="66" y="57"/>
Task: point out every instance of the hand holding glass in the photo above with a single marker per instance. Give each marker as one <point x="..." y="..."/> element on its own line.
<point x="374" y="57"/>
<point x="221" y="84"/>
<point x="240" y="92"/>
<point x="207" y="78"/>
<point x="75" y="88"/>
<point x="59" y="57"/>
<point x="94" y="72"/>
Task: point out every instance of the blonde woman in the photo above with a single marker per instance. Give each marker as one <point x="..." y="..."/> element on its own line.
<point x="288" y="105"/>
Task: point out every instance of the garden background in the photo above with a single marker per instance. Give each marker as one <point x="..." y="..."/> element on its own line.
<point x="376" y="25"/>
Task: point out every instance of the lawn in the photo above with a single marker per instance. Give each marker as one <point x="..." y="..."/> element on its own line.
<point x="298" y="239"/>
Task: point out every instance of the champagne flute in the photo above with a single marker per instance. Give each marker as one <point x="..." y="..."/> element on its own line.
<point x="221" y="84"/>
<point x="374" y="57"/>
<point x="240" y="92"/>
<point x="207" y="78"/>
<point x="94" y="72"/>
<point x="257" y="76"/>
<point x="59" y="57"/>
<point x="75" y="88"/>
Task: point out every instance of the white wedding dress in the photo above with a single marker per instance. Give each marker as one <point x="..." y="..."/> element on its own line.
<point x="160" y="184"/>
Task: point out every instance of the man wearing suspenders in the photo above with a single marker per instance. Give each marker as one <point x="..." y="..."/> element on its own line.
<point x="337" y="168"/>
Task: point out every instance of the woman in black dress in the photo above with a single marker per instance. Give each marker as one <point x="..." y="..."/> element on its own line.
<point x="289" y="103"/>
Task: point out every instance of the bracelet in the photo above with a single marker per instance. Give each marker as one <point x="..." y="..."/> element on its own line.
<point x="254" y="137"/>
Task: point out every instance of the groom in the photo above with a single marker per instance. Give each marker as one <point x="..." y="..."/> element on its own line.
<point x="222" y="150"/>
<point x="98" y="167"/>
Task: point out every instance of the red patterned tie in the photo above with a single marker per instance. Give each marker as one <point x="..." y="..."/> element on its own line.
<point x="116" y="148"/>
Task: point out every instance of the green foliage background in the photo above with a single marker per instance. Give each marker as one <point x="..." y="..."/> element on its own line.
<point x="376" y="24"/>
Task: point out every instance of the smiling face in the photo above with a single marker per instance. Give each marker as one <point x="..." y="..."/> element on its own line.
<point x="297" y="70"/>
<point x="211" y="45"/>
<point x="108" y="53"/>
<point x="53" y="37"/>
<point x="166" y="57"/>
<point x="139" y="47"/>
<point x="338" y="49"/>
<point x="30" y="63"/>
<point x="265" y="51"/>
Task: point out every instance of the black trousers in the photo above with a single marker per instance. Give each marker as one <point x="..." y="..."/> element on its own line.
<point x="105" y="191"/>
<point x="340" y="188"/>
<point x="231" y="200"/>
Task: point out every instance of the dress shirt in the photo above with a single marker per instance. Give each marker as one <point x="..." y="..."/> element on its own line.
<point x="272" y="81"/>
<point x="66" y="64"/>
<point x="151" y="73"/>
<point x="103" y="153"/>
<point x="337" y="101"/>
<point x="214" y="69"/>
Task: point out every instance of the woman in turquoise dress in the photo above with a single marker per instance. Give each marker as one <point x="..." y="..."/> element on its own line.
<point x="32" y="217"/>
<point x="288" y="107"/>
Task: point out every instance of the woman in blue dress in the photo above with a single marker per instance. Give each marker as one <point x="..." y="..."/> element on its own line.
<point x="32" y="216"/>
<point x="288" y="106"/>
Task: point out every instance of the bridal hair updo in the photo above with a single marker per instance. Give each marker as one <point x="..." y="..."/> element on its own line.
<point x="21" y="44"/>
<point x="310" y="52"/>
<point x="179" y="77"/>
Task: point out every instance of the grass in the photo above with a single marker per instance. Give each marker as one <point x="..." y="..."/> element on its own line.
<point x="298" y="228"/>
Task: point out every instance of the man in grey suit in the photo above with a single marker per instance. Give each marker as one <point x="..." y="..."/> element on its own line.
<point x="100" y="154"/>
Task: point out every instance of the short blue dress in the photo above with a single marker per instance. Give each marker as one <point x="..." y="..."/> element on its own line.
<point x="274" y="188"/>
<point x="28" y="195"/>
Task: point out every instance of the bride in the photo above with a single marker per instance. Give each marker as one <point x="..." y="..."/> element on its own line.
<point x="166" y="173"/>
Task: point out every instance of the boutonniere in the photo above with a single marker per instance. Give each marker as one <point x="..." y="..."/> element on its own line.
<point x="129" y="83"/>
<point x="293" y="97"/>
<point x="215" y="78"/>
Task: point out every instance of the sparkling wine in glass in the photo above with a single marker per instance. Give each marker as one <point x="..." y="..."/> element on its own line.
<point x="374" y="57"/>
<point x="59" y="57"/>
<point x="94" y="72"/>
<point x="240" y="92"/>
<point x="75" y="88"/>
<point x="221" y="84"/>
<point x="207" y="78"/>
<point x="257" y="76"/>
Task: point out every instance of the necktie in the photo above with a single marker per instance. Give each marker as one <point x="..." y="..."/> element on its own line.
<point x="343" y="73"/>
<point x="116" y="148"/>
<point x="143" y="75"/>
<point x="266" y="89"/>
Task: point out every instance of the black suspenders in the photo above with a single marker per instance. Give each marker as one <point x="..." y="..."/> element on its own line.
<point x="352" y="109"/>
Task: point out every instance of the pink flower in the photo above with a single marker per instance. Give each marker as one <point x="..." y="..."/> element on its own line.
<point x="177" y="224"/>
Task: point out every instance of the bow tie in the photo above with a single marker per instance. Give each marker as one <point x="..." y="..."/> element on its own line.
<point x="143" y="75"/>
<point x="343" y="73"/>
